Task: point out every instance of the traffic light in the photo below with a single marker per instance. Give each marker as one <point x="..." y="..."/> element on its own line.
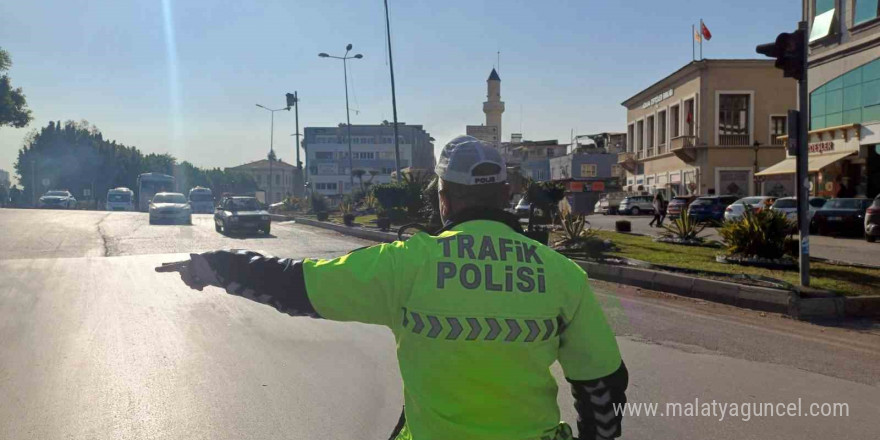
<point x="789" y="52"/>
<point x="291" y="100"/>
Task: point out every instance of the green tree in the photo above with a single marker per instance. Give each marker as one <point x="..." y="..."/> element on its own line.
<point x="13" y="105"/>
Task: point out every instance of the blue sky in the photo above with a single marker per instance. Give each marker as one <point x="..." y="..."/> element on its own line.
<point x="191" y="92"/>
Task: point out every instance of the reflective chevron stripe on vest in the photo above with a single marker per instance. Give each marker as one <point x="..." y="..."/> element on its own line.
<point x="480" y="328"/>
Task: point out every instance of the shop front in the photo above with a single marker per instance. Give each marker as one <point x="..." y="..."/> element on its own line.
<point x="839" y="165"/>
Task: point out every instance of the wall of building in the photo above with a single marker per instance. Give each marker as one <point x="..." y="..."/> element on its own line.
<point x="683" y="88"/>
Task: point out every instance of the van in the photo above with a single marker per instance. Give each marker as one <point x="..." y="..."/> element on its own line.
<point x="120" y="199"/>
<point x="201" y="200"/>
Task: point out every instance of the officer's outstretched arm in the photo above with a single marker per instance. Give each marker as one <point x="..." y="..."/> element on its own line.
<point x="590" y="358"/>
<point x="269" y="280"/>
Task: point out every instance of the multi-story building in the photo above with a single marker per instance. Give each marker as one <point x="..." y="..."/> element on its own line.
<point x="4" y="178"/>
<point x="843" y="79"/>
<point x="532" y="157"/>
<point x="604" y="142"/>
<point x="286" y="180"/>
<point x="707" y="128"/>
<point x="372" y="148"/>
<point x="585" y="176"/>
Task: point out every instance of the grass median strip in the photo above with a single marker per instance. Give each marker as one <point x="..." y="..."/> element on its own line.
<point x="850" y="281"/>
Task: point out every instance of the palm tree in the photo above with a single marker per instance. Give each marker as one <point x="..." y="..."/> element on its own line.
<point x="359" y="174"/>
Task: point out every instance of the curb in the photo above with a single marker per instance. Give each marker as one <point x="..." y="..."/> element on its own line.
<point x="812" y="305"/>
<point x="383" y="237"/>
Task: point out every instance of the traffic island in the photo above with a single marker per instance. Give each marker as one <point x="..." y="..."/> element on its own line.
<point x="804" y="304"/>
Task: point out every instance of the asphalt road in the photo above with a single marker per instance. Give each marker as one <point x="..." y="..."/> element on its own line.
<point x="845" y="249"/>
<point x="96" y="345"/>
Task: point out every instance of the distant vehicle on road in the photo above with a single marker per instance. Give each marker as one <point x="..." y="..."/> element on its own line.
<point x="201" y="200"/>
<point x="678" y="205"/>
<point x="872" y="220"/>
<point x="120" y="199"/>
<point x="241" y="214"/>
<point x="635" y="205"/>
<point x="57" y="199"/>
<point x="841" y="216"/>
<point x="170" y="207"/>
<point x="150" y="184"/>
<point x="522" y="208"/>
<point x="788" y="206"/>
<point x="710" y="208"/>
<point x="735" y="210"/>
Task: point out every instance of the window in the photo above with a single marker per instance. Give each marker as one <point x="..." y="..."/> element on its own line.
<point x="630" y="138"/>
<point x="327" y="186"/>
<point x="661" y="128"/>
<point x="649" y="136"/>
<point x="640" y="135"/>
<point x="278" y="179"/>
<point x="778" y="128"/>
<point x="616" y="170"/>
<point x="589" y="170"/>
<point x="323" y="155"/>
<point x="674" y="120"/>
<point x="733" y="119"/>
<point x="823" y="18"/>
<point x="387" y="170"/>
<point x="690" y="118"/>
<point x="851" y="98"/>
<point x="865" y="10"/>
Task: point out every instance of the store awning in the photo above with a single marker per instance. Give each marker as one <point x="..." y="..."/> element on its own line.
<point x="815" y="163"/>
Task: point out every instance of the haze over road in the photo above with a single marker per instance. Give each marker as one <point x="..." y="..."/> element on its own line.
<point x="96" y="345"/>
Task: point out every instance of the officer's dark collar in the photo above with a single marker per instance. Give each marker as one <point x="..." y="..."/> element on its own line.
<point x="480" y="213"/>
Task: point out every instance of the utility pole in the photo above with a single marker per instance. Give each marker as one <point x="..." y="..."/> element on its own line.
<point x="293" y="101"/>
<point x="393" y="94"/>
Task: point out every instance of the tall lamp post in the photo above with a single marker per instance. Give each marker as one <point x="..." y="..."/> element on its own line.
<point x="293" y="101"/>
<point x="393" y="95"/>
<point x="344" y="59"/>
<point x="271" y="156"/>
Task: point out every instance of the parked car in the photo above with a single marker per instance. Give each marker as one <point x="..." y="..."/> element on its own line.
<point x="610" y="203"/>
<point x="872" y="220"/>
<point x="241" y="214"/>
<point x="597" y="208"/>
<point x="635" y="205"/>
<point x="171" y="208"/>
<point x="710" y="208"/>
<point x="678" y="205"/>
<point x="57" y="199"/>
<point x="841" y="216"/>
<point x="735" y="210"/>
<point x="788" y="206"/>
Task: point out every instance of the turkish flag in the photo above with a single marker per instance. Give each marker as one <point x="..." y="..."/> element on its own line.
<point x="705" y="31"/>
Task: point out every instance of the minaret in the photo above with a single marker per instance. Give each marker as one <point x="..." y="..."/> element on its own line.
<point x="494" y="107"/>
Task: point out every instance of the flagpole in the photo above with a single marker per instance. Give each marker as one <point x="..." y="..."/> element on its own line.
<point x="693" y="49"/>
<point x="701" y="39"/>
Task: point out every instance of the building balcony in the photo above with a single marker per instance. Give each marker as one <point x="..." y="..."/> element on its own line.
<point x="627" y="161"/>
<point x="649" y="152"/>
<point x="730" y="140"/>
<point x="661" y="149"/>
<point x="684" y="147"/>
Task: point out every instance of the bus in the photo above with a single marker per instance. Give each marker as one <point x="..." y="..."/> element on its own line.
<point x="201" y="200"/>
<point x="120" y="199"/>
<point x="151" y="183"/>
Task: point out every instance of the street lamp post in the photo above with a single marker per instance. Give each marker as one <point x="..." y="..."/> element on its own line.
<point x="344" y="59"/>
<point x="293" y="101"/>
<point x="393" y="96"/>
<point x="271" y="156"/>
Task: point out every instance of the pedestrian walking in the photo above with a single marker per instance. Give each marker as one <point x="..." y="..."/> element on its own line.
<point x="657" y="203"/>
<point x="479" y="311"/>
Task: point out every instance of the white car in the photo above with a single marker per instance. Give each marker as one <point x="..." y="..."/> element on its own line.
<point x="120" y="199"/>
<point x="788" y="206"/>
<point x="735" y="210"/>
<point x="57" y="199"/>
<point x="170" y="207"/>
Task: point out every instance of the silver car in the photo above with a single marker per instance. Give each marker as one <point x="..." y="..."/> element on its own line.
<point x="788" y="206"/>
<point x="735" y="210"/>
<point x="57" y="199"/>
<point x="635" y="205"/>
<point x="171" y="208"/>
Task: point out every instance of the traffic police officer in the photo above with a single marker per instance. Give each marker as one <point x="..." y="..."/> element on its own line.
<point x="479" y="311"/>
